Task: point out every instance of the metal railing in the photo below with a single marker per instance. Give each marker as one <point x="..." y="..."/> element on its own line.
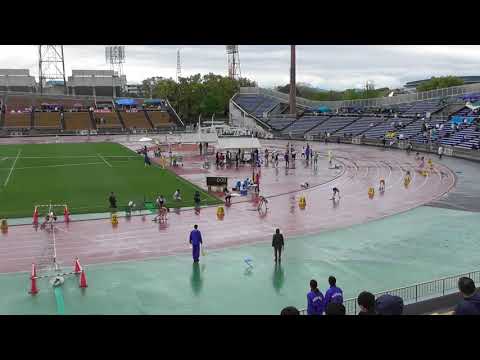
<point x="373" y="102"/>
<point x="418" y="292"/>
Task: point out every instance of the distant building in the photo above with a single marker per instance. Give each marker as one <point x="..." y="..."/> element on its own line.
<point x="467" y="80"/>
<point x="96" y="83"/>
<point x="134" y="89"/>
<point x="17" y="80"/>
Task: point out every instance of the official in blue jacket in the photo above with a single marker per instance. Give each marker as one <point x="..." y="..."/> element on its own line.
<point x="470" y="305"/>
<point x="334" y="294"/>
<point x="196" y="241"/>
<point x="315" y="300"/>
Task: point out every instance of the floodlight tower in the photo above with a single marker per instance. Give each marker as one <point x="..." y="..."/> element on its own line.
<point x="293" y="86"/>
<point x="233" y="62"/>
<point x="51" y="65"/>
<point x="115" y="56"/>
<point x="179" y="66"/>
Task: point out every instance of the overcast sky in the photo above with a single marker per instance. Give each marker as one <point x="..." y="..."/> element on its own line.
<point x="323" y="66"/>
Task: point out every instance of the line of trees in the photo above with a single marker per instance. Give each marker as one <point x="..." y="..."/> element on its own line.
<point x="309" y="92"/>
<point x="207" y="95"/>
<point x="440" y="83"/>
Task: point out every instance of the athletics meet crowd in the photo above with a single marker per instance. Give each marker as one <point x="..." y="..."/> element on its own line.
<point x="332" y="302"/>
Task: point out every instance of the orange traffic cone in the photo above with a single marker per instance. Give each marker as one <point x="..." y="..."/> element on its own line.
<point x="34" y="271"/>
<point x="83" y="280"/>
<point x="78" y="267"/>
<point x="66" y="215"/>
<point x="33" y="289"/>
<point x="35" y="216"/>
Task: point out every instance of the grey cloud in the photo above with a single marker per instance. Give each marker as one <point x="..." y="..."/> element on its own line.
<point x="325" y="66"/>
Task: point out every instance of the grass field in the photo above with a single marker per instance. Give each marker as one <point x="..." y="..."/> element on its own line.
<point x="82" y="176"/>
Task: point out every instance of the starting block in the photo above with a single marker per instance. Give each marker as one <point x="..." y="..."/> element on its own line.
<point x="4" y="225"/>
<point x="371" y="192"/>
<point x="220" y="213"/>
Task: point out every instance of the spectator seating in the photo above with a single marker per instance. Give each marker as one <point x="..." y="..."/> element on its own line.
<point x="18" y="103"/>
<point x="472" y="138"/>
<point x="302" y="125"/>
<point x="379" y="131"/>
<point x="50" y="120"/>
<point x="267" y="105"/>
<point x="77" y="121"/>
<point x="135" y="119"/>
<point x="411" y="128"/>
<point x="278" y="123"/>
<point x="17" y="120"/>
<point x="159" y="118"/>
<point x="249" y="102"/>
<point x="457" y="137"/>
<point x="110" y="120"/>
<point x="333" y="124"/>
<point x="361" y="125"/>
<point x="422" y="107"/>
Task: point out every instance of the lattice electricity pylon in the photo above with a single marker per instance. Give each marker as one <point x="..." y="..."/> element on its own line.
<point x="115" y="56"/>
<point x="179" y="66"/>
<point x="51" y="65"/>
<point x="233" y="62"/>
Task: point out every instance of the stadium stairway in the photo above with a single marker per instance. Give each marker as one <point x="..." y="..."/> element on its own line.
<point x="148" y="119"/>
<point x="92" y="120"/>
<point x="62" y="120"/>
<point x="120" y="118"/>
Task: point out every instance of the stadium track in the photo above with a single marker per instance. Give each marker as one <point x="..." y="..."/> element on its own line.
<point x="97" y="241"/>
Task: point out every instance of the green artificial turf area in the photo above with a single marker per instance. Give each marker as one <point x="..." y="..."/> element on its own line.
<point x="82" y="176"/>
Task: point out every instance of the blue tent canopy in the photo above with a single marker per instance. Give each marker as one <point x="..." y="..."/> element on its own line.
<point x="323" y="109"/>
<point x="125" y="102"/>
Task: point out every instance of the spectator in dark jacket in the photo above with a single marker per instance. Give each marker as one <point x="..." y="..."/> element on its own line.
<point x="470" y="305"/>
<point x="389" y="305"/>
<point x="366" y="301"/>
<point x="334" y="294"/>
<point x="290" y="310"/>
<point x="335" y="309"/>
<point x="277" y="244"/>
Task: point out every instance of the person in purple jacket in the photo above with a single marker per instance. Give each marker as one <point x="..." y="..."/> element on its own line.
<point x="334" y="294"/>
<point x="196" y="241"/>
<point x="315" y="300"/>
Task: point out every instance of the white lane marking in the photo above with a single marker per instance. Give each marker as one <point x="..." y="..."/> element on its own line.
<point x="11" y="170"/>
<point x="106" y="162"/>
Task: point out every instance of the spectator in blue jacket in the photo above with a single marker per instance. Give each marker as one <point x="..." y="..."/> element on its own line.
<point x="315" y="300"/>
<point x="470" y="305"/>
<point x="334" y="294"/>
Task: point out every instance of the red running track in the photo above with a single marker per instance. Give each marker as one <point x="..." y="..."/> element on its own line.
<point x="139" y="238"/>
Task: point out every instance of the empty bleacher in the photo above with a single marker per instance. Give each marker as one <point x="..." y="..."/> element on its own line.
<point x="50" y="120"/>
<point x="249" y="102"/>
<point x="77" y="121"/>
<point x="422" y="107"/>
<point x="17" y="120"/>
<point x="267" y="105"/>
<point x="278" y="123"/>
<point x="332" y="125"/>
<point x="110" y="120"/>
<point x="361" y="125"/>
<point x="135" y="120"/>
<point x="159" y="118"/>
<point x="303" y="124"/>
<point x="456" y="137"/>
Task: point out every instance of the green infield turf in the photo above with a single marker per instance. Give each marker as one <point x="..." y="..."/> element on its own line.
<point x="82" y="176"/>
